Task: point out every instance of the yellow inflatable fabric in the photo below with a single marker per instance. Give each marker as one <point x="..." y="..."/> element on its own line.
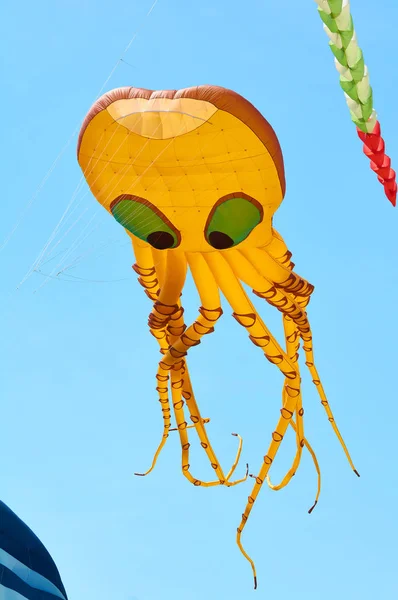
<point x="195" y="177"/>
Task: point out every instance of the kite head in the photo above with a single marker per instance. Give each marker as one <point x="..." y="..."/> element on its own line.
<point x="198" y="169"/>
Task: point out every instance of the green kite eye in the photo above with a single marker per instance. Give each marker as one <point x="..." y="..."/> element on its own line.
<point x="231" y="220"/>
<point x="145" y="221"/>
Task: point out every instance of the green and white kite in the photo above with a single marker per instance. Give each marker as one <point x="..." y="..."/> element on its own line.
<point x="354" y="80"/>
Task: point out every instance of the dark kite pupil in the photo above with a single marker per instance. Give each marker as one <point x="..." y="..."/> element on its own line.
<point x="161" y="240"/>
<point x="220" y="240"/>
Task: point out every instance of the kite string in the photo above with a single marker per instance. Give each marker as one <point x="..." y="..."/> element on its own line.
<point x="118" y="179"/>
<point x="76" y="192"/>
<point x="127" y="48"/>
<point x="65" y="216"/>
<point x="44" y="180"/>
<point x="36" y="194"/>
<point x="57" y="270"/>
<point x="38" y="262"/>
<point x="118" y="176"/>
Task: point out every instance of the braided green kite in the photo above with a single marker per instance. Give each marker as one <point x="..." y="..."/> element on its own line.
<point x="354" y="80"/>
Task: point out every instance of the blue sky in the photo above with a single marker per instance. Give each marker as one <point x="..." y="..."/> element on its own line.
<point x="79" y="409"/>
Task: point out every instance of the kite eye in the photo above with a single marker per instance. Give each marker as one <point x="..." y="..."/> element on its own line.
<point x="231" y="220"/>
<point x="145" y="221"/>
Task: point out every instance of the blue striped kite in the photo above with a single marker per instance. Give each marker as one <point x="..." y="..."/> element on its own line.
<point x="27" y="571"/>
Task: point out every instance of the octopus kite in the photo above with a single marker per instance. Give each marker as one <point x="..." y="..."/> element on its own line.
<point x="195" y="177"/>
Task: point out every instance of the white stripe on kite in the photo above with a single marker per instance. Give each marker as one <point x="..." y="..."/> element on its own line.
<point x="7" y="594"/>
<point x="28" y="576"/>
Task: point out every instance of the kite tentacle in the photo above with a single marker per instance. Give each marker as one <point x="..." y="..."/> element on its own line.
<point x="177" y="383"/>
<point x="166" y="304"/>
<point x="147" y="278"/>
<point x="210" y="297"/>
<point x="172" y="360"/>
<point x="196" y="418"/>
<point x="182" y="386"/>
<point x="292" y="347"/>
<point x="246" y="315"/>
<point x="314" y="460"/>
<point x="150" y="277"/>
<point x="280" y="274"/>
<point x="189" y="396"/>
<point x="246" y="272"/>
<point x="291" y="335"/>
<point x="279" y="251"/>
<point x="294" y="308"/>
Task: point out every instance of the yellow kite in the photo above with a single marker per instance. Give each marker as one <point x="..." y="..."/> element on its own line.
<point x="195" y="177"/>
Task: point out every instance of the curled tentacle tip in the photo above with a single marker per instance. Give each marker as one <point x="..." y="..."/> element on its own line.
<point x="312" y="507"/>
<point x="140" y="474"/>
<point x="235" y="434"/>
<point x="356" y="473"/>
<point x="255" y="582"/>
